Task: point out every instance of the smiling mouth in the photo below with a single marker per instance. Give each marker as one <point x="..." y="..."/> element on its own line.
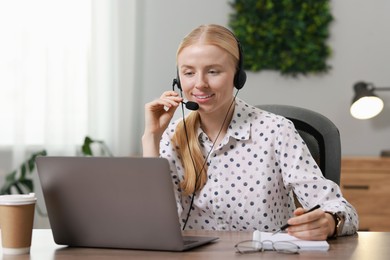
<point x="203" y="97"/>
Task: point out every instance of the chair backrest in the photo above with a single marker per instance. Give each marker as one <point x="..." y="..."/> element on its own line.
<point x="319" y="133"/>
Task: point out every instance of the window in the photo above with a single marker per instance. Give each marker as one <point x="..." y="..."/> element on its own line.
<point x="44" y="50"/>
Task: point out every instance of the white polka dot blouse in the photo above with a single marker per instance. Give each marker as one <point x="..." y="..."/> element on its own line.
<point x="252" y="175"/>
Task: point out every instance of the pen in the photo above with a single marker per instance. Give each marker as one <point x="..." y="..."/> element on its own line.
<point x="282" y="228"/>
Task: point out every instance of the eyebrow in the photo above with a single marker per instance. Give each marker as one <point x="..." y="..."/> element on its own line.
<point x="207" y="67"/>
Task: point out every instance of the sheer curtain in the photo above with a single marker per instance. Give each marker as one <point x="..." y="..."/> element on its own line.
<point x="66" y="71"/>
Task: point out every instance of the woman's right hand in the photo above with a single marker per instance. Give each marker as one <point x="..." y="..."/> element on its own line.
<point x="158" y="114"/>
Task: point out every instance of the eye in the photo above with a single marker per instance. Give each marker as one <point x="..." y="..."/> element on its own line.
<point x="188" y="73"/>
<point x="213" y="72"/>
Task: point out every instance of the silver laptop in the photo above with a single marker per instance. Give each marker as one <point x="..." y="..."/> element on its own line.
<point x="113" y="203"/>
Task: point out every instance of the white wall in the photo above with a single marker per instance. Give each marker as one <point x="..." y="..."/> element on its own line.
<point x="360" y="39"/>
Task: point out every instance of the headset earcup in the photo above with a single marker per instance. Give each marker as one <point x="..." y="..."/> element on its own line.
<point x="240" y="79"/>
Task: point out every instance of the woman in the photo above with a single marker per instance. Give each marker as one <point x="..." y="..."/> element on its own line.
<point x="248" y="161"/>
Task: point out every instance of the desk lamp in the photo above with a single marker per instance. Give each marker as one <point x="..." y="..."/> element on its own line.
<point x="365" y="103"/>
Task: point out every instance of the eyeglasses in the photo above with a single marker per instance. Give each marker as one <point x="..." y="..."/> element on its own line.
<point x="253" y="246"/>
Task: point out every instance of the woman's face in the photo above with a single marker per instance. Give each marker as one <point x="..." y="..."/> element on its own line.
<point x="206" y="76"/>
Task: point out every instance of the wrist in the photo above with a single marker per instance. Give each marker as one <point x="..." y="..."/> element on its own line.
<point x="338" y="221"/>
<point x="150" y="145"/>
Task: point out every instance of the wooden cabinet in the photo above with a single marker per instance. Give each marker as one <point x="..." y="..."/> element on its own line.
<point x="365" y="183"/>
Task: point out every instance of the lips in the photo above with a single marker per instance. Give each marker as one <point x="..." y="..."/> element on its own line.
<point x="203" y="96"/>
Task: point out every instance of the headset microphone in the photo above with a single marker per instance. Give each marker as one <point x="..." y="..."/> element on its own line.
<point x="190" y="105"/>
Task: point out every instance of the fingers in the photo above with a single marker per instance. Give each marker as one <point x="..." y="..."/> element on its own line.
<point x="167" y="99"/>
<point x="302" y="216"/>
<point x="170" y="99"/>
<point x="309" y="226"/>
<point x="159" y="112"/>
<point x="315" y="230"/>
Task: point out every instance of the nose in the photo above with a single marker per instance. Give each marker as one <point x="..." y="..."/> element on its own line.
<point x="201" y="81"/>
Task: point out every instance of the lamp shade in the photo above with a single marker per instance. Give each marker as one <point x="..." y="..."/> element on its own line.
<point x="365" y="103"/>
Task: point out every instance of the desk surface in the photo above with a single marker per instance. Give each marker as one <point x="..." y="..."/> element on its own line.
<point x="364" y="245"/>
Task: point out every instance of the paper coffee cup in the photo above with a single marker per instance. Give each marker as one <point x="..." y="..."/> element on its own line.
<point x="16" y="222"/>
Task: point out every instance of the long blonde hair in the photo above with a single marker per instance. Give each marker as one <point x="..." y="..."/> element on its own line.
<point x="193" y="161"/>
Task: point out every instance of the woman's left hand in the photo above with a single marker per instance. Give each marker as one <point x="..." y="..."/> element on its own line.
<point x="315" y="225"/>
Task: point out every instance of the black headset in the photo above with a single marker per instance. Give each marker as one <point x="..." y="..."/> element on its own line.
<point x="239" y="77"/>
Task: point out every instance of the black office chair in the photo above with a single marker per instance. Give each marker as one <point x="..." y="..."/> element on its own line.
<point x="320" y="135"/>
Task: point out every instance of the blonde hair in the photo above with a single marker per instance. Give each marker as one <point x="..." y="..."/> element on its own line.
<point x="193" y="161"/>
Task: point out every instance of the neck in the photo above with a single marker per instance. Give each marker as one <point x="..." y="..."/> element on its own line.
<point x="216" y="124"/>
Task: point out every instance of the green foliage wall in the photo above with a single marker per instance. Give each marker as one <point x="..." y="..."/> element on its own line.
<point x="285" y="35"/>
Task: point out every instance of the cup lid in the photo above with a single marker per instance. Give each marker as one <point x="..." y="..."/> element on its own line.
<point x="17" y="199"/>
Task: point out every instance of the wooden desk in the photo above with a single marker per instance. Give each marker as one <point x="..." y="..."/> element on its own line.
<point x="364" y="245"/>
<point x="365" y="184"/>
